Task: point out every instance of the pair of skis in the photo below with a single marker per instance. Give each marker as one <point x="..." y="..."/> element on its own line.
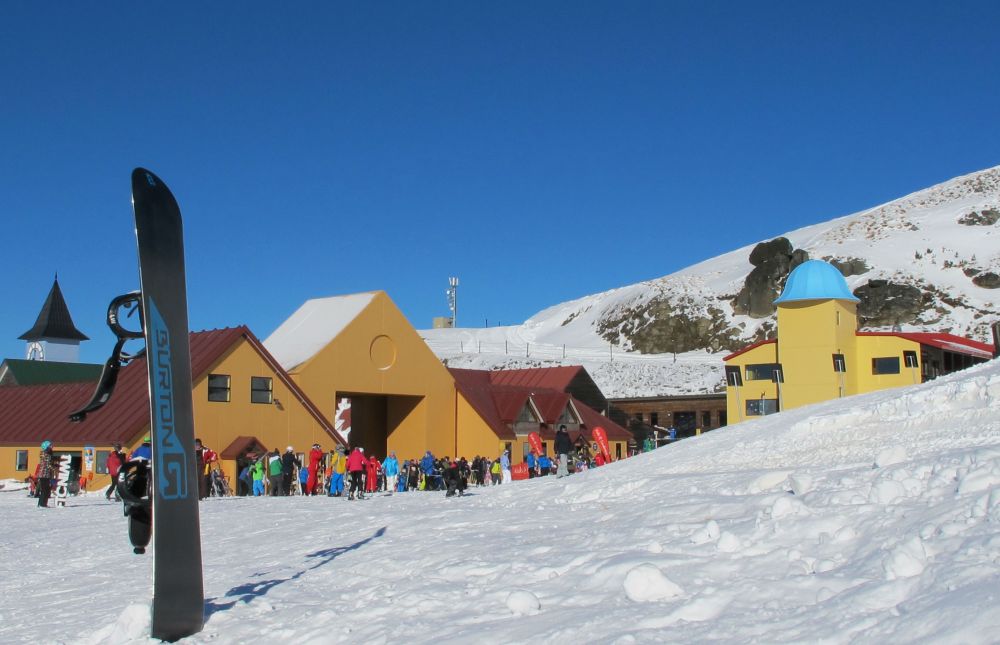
<point x="161" y="495"/>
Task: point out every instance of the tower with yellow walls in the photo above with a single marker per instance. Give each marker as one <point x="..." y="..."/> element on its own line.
<point x="817" y="321"/>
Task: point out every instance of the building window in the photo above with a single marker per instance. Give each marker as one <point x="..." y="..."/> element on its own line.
<point x="21" y="460"/>
<point x="218" y="388"/>
<point x="525" y="449"/>
<point x="567" y="416"/>
<point x="760" y="407"/>
<point x="885" y="365"/>
<point x="654" y="418"/>
<point x="101" y="467"/>
<point x="761" y="371"/>
<point x="706" y="420"/>
<point x="638" y="417"/>
<point x="260" y="389"/>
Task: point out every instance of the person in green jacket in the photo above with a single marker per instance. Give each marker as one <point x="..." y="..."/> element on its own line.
<point x="257" y="473"/>
<point x="274" y="473"/>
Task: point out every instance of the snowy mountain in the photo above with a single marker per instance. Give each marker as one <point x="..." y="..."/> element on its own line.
<point x="927" y="261"/>
<point x="871" y="519"/>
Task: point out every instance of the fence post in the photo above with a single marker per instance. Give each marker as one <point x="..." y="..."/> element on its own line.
<point x="527" y="350"/>
<point x="611" y="348"/>
<point x="564" y="351"/>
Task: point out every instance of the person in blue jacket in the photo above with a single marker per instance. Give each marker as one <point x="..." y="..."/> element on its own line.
<point x="532" y="465"/>
<point x="427" y="468"/>
<point x="390" y="468"/>
<point x="544" y="465"/>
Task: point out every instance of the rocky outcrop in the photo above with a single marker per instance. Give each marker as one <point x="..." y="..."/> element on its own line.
<point x="987" y="280"/>
<point x="660" y="327"/>
<point x="884" y="303"/>
<point x="772" y="262"/>
<point x="849" y="266"/>
<point x="987" y="217"/>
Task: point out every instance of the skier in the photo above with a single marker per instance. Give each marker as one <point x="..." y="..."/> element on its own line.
<point x="45" y="471"/>
<point x="114" y="463"/>
<point x="288" y="464"/>
<point x="544" y="465"/>
<point x="391" y="469"/>
<point x="338" y="466"/>
<point x="427" y="468"/>
<point x="257" y="472"/>
<point x="453" y="479"/>
<point x="144" y="452"/>
<point x="356" y="465"/>
<point x="315" y="456"/>
<point x="274" y="473"/>
<point x="505" y="466"/>
<point x="371" y="475"/>
<point x="562" y="447"/>
<point x="532" y="465"/>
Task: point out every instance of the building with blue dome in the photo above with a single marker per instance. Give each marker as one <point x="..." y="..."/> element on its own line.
<point x="819" y="353"/>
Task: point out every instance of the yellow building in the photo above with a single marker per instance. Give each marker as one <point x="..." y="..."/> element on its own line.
<point x="359" y="353"/>
<point x="819" y="353"/>
<point x="243" y="402"/>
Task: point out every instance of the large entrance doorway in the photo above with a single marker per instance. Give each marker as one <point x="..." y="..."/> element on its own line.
<point x="374" y="418"/>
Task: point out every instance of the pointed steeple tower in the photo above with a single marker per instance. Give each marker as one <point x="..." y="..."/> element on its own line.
<point x="54" y="337"/>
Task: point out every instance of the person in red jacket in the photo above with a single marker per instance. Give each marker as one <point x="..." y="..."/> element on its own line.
<point x="114" y="463"/>
<point x="371" y="480"/>
<point x="315" y="456"/>
<point x="356" y="466"/>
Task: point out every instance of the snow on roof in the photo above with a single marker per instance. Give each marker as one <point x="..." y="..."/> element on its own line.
<point x="313" y="326"/>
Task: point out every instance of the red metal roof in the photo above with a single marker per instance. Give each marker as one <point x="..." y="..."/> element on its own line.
<point x="500" y="404"/>
<point x="30" y="414"/>
<point x="748" y="348"/>
<point x="947" y="342"/>
<point x="552" y="378"/>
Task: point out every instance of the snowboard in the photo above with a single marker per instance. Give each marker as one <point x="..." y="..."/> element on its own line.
<point x="178" y="594"/>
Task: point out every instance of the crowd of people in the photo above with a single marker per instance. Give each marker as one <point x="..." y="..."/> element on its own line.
<point x="344" y="472"/>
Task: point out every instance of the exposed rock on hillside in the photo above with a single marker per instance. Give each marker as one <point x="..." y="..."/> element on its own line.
<point x="884" y="303"/>
<point x="772" y="262"/>
<point x="661" y="327"/>
<point x="987" y="280"/>
<point x="987" y="217"/>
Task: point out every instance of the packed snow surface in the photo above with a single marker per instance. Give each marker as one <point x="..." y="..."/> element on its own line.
<point x="873" y="519"/>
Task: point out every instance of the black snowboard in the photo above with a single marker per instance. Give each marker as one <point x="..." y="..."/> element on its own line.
<point x="178" y="595"/>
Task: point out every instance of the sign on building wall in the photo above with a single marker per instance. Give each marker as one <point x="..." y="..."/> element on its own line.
<point x="342" y="418"/>
<point x="88" y="458"/>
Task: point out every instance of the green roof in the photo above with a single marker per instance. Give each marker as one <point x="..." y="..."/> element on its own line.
<point x="23" y="372"/>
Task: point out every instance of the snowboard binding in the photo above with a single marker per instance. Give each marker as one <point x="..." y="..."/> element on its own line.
<point x="134" y="488"/>
<point x="132" y="302"/>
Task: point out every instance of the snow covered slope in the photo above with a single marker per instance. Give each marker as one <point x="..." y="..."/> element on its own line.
<point x="941" y="244"/>
<point x="873" y="519"/>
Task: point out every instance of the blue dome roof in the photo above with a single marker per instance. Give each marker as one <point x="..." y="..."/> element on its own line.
<point x="815" y="280"/>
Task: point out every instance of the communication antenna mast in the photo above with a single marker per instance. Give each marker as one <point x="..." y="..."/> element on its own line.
<point x="453" y="300"/>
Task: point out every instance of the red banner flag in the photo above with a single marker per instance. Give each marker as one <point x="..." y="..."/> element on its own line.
<point x="536" y="443"/>
<point x="601" y="437"/>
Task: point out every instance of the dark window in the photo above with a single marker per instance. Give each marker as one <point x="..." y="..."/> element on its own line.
<point x="567" y="416"/>
<point x="218" y="388"/>
<point x="638" y="417"/>
<point x="761" y="371"/>
<point x="525" y="449"/>
<point x="885" y="365"/>
<point x="654" y="418"/>
<point x="527" y="415"/>
<point x="21" y="460"/>
<point x="760" y="407"/>
<point x="260" y="389"/>
<point x="101" y="467"/>
<point x="706" y="420"/>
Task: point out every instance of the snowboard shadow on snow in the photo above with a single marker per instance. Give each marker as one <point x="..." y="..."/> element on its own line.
<point x="246" y="592"/>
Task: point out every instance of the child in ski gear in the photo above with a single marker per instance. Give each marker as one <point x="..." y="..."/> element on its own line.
<point x="371" y="477"/>
<point x="46" y="470"/>
<point x="544" y="465"/>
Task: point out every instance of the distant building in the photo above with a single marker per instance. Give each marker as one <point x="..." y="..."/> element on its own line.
<point x="819" y="353"/>
<point x="688" y="414"/>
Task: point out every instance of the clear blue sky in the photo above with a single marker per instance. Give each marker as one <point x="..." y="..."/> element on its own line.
<point x="540" y="151"/>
